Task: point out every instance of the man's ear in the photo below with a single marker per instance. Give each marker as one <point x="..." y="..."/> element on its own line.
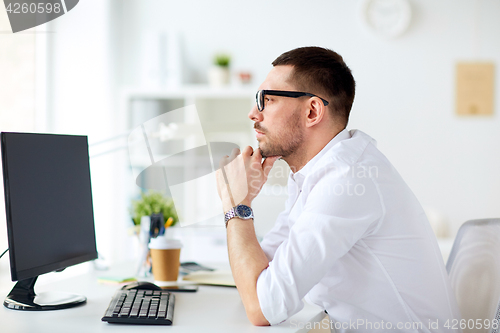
<point x="315" y="112"/>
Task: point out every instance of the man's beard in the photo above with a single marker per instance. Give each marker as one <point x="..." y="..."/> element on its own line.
<point x="284" y="142"/>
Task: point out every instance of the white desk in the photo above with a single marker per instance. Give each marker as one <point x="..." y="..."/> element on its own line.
<point x="211" y="309"/>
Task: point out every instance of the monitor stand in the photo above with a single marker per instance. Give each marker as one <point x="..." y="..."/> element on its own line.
<point x="23" y="297"/>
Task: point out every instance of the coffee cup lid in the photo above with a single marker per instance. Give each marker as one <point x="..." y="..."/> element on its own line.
<point x="164" y="243"/>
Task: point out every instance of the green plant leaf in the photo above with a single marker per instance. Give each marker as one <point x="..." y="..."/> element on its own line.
<point x="153" y="202"/>
<point x="222" y="60"/>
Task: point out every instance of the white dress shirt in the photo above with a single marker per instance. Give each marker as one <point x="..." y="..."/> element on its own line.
<point x="354" y="240"/>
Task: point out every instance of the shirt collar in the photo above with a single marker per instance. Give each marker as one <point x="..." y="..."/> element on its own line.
<point x="299" y="176"/>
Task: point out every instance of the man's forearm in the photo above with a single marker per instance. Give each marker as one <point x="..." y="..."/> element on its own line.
<point x="247" y="262"/>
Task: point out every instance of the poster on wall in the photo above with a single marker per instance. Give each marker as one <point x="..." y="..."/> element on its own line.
<point x="474" y="88"/>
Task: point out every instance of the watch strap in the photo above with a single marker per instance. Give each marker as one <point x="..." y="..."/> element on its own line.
<point x="229" y="215"/>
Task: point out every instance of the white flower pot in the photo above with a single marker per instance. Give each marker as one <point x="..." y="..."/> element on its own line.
<point x="218" y="76"/>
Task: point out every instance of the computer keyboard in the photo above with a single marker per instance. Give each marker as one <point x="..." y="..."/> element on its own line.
<point x="146" y="307"/>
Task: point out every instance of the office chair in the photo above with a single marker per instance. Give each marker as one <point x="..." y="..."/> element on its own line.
<point x="474" y="270"/>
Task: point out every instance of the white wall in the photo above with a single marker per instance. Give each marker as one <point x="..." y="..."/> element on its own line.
<point x="405" y="87"/>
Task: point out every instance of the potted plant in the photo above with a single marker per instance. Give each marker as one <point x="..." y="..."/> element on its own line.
<point x="151" y="203"/>
<point x="219" y="72"/>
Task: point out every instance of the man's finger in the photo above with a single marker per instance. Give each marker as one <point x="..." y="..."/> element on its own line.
<point x="223" y="161"/>
<point x="248" y="151"/>
<point x="268" y="164"/>
<point x="257" y="154"/>
<point x="234" y="153"/>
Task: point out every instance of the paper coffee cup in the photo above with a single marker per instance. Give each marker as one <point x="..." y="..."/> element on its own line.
<point x="165" y="254"/>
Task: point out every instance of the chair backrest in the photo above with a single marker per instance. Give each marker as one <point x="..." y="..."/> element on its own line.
<point x="474" y="270"/>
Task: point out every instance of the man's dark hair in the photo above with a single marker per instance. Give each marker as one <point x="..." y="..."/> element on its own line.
<point x="322" y="72"/>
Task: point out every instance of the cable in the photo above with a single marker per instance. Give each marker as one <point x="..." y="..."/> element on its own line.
<point x="4" y="252"/>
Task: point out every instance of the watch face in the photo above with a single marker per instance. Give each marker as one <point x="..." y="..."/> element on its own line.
<point x="243" y="211"/>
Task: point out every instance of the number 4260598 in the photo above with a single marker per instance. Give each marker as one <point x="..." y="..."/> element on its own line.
<point x="40" y="8"/>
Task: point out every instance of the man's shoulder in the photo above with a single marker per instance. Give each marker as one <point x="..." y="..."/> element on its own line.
<point x="356" y="149"/>
<point x="352" y="160"/>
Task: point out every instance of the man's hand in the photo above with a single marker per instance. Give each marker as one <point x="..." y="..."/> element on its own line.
<point x="242" y="175"/>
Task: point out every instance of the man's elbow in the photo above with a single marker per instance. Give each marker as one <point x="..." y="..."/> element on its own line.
<point x="257" y="318"/>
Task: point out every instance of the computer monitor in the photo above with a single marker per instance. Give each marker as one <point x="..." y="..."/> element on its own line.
<point x="50" y="220"/>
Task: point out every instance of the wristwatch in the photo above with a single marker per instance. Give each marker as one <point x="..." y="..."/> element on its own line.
<point x="242" y="211"/>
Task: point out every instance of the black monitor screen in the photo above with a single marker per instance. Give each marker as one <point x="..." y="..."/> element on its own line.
<point x="48" y="201"/>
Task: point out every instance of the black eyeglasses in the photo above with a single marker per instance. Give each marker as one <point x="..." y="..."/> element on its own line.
<point x="294" y="94"/>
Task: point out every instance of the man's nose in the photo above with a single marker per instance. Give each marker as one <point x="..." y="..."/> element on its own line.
<point x="254" y="114"/>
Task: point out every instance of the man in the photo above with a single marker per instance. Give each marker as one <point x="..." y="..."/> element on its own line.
<point x="353" y="238"/>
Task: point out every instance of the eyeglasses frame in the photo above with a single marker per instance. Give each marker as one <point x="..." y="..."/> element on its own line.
<point x="283" y="93"/>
